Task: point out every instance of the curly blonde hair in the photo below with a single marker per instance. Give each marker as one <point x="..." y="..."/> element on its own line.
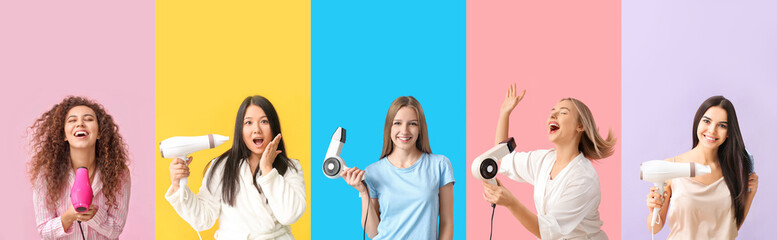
<point x="51" y="153"/>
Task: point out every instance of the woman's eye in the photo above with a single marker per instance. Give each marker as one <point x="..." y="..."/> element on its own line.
<point x="414" y="124"/>
<point x="723" y="126"/>
<point x="265" y="122"/>
<point x="706" y="121"/>
<point x="397" y="123"/>
<point x="247" y="123"/>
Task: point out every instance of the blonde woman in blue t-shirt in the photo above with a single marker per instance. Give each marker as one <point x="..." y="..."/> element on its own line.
<point x="409" y="188"/>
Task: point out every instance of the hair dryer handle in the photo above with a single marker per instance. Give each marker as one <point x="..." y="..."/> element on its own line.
<point x="660" y="192"/>
<point x="183" y="181"/>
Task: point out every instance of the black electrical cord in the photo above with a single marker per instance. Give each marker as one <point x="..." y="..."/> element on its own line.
<point x="82" y="230"/>
<point x="493" y="209"/>
<point x="364" y="235"/>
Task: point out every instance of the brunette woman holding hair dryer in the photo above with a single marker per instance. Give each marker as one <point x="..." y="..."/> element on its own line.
<point x="711" y="206"/>
<point x="253" y="189"/>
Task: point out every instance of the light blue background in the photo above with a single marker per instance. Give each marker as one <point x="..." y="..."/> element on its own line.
<point x="364" y="55"/>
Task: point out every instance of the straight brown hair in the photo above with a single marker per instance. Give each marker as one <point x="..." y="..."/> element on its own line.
<point x="422" y="143"/>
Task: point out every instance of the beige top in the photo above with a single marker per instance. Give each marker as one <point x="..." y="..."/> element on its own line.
<point x="699" y="211"/>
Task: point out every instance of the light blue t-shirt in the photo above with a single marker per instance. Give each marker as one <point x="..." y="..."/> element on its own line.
<point x="409" y="197"/>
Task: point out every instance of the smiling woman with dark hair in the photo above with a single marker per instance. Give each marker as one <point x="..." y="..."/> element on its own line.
<point x="77" y="132"/>
<point x="253" y="189"/>
<point x="711" y="206"/>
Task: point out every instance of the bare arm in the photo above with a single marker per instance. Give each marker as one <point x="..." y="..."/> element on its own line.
<point x="370" y="217"/>
<point x="446" y="212"/>
<point x="511" y="100"/>
<point x="499" y="195"/>
<point x="654" y="201"/>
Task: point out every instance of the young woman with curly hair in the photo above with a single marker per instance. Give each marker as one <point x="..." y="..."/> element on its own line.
<point x="77" y="132"/>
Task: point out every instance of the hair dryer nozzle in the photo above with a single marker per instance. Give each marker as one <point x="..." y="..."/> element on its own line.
<point x="485" y="166"/>
<point x="180" y="147"/>
<point x="81" y="192"/>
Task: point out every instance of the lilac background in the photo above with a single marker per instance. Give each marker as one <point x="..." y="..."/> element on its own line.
<point x="675" y="55"/>
<point x="103" y="50"/>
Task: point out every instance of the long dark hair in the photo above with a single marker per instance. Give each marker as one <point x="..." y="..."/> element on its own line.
<point x="239" y="152"/>
<point x="51" y="152"/>
<point x="732" y="154"/>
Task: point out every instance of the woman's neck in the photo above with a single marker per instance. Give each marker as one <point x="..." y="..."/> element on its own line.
<point x="709" y="155"/>
<point x="565" y="153"/>
<point x="83" y="157"/>
<point x="253" y="161"/>
<point x="404" y="158"/>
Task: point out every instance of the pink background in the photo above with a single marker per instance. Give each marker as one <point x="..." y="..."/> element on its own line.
<point x="101" y="50"/>
<point x="553" y="50"/>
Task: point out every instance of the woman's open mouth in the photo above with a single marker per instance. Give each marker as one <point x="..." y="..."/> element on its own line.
<point x="553" y="127"/>
<point x="258" y="141"/>
<point x="81" y="134"/>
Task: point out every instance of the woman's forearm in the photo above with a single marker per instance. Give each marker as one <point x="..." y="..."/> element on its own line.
<point x="526" y="217"/>
<point x="502" y="127"/>
<point x="446" y="212"/>
<point x="369" y="215"/>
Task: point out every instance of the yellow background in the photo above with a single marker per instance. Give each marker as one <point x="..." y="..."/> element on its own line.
<point x="210" y="55"/>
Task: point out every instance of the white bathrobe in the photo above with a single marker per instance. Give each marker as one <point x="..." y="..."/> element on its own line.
<point x="568" y="205"/>
<point x="265" y="215"/>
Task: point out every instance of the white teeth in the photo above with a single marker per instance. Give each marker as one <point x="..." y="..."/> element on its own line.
<point x="404" y="138"/>
<point x="710" y="138"/>
<point x="80" y="134"/>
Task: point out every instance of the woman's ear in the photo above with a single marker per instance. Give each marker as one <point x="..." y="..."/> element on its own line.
<point x="580" y="127"/>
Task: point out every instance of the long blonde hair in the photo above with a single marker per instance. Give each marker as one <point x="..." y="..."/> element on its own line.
<point x="592" y="145"/>
<point x="422" y="143"/>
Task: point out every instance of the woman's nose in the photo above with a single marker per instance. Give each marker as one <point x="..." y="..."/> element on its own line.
<point x="712" y="128"/>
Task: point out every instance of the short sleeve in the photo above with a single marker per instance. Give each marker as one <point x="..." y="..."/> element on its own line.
<point x="522" y="166"/>
<point x="446" y="172"/>
<point x="368" y="179"/>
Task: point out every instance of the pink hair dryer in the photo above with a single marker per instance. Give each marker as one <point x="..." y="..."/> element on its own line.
<point x="81" y="193"/>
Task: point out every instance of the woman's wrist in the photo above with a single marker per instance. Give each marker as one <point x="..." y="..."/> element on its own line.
<point x="69" y="217"/>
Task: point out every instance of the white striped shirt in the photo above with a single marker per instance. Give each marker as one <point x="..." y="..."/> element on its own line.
<point x="107" y="223"/>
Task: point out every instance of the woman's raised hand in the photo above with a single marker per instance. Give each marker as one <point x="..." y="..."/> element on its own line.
<point x="511" y="99"/>
<point x="269" y="154"/>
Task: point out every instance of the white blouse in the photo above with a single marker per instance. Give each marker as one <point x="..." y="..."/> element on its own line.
<point x="255" y="215"/>
<point x="568" y="205"/>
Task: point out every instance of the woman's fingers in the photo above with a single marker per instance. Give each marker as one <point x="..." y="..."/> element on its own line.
<point x="360" y="176"/>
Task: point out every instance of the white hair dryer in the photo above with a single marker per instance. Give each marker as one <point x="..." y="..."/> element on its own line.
<point x="660" y="171"/>
<point x="333" y="163"/>
<point x="485" y="166"/>
<point x="180" y="147"/>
